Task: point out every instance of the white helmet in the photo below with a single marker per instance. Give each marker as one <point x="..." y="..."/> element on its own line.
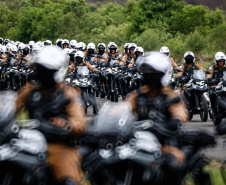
<point x="66" y="51"/>
<point x="73" y="44"/>
<point x="83" y="46"/>
<point x="91" y="46"/>
<point x="189" y="56"/>
<point x="112" y="45"/>
<point x="26" y="49"/>
<point x="79" y="54"/>
<point x="126" y="45"/>
<point x="48" y="43"/>
<point x="72" y="52"/>
<point x="165" y="50"/>
<point x="52" y="58"/>
<point x="6" y="41"/>
<point x="79" y="45"/>
<point x="219" y="56"/>
<point x="59" y="42"/>
<point x="8" y="46"/>
<point x="31" y="43"/>
<point x="139" y="49"/>
<point x="17" y="43"/>
<point x="21" y="47"/>
<point x="154" y="62"/>
<point x="132" y="45"/>
<point x="65" y="41"/>
<point x="36" y="48"/>
<point x="13" y="50"/>
<point x="40" y="44"/>
<point x="101" y="45"/>
<point x="3" y="49"/>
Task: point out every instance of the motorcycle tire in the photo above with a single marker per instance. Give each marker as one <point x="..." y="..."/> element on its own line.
<point x="115" y="98"/>
<point x="202" y="178"/>
<point x="204" y="109"/>
<point x="216" y="120"/>
<point x="97" y="93"/>
<point x="191" y="116"/>
<point x="102" y="94"/>
<point x="112" y="97"/>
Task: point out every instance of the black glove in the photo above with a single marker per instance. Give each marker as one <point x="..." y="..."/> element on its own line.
<point x="183" y="78"/>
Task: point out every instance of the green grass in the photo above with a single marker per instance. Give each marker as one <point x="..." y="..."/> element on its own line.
<point x="215" y="174"/>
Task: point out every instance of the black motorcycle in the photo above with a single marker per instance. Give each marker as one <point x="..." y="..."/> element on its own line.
<point x="219" y="108"/>
<point x="128" y="152"/>
<point x="83" y="79"/>
<point x="196" y="95"/>
<point x="111" y="75"/>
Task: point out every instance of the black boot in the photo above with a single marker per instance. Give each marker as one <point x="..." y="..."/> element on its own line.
<point x="68" y="181"/>
<point x="95" y="110"/>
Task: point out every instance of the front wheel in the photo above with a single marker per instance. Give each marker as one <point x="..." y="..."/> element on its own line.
<point x="204" y="109"/>
<point x="202" y="178"/>
<point x="216" y="120"/>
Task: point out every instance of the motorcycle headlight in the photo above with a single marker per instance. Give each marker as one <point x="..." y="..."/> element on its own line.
<point x="83" y="80"/>
<point x="189" y="85"/>
<point x="200" y="83"/>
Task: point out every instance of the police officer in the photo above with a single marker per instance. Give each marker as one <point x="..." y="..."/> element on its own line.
<point x="50" y="68"/>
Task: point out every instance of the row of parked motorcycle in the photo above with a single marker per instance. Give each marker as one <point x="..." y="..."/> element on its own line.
<point x="113" y="81"/>
<point x="110" y="80"/>
<point x="120" y="152"/>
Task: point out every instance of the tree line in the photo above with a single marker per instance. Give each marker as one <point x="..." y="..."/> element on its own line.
<point x="149" y="23"/>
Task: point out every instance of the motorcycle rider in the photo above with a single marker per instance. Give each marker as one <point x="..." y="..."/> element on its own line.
<point x="165" y="50"/>
<point x="64" y="159"/>
<point x="3" y="55"/>
<point x="72" y="56"/>
<point x="91" y="51"/>
<point x="126" y="49"/>
<point x="188" y="67"/>
<point x="113" y="52"/>
<point x="12" y="55"/>
<point x="31" y="44"/>
<point x="216" y="75"/>
<point x="73" y="44"/>
<point x="79" y="61"/>
<point x="65" y="43"/>
<point x="48" y="43"/>
<point x="6" y="41"/>
<point x="129" y="58"/>
<point x="59" y="42"/>
<point x="139" y="51"/>
<point x="1" y="40"/>
<point x="25" y="56"/>
<point x="217" y="69"/>
<point x="101" y="50"/>
<point x="148" y="102"/>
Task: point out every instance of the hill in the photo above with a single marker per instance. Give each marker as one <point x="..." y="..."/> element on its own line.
<point x="212" y="4"/>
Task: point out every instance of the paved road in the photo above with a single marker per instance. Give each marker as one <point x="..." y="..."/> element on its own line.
<point x="218" y="152"/>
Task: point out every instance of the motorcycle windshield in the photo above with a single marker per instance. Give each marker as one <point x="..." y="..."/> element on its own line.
<point x="112" y="62"/>
<point x="83" y="71"/>
<point x="7" y="106"/>
<point x="199" y="75"/>
<point x="224" y="75"/>
<point x="114" y="119"/>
